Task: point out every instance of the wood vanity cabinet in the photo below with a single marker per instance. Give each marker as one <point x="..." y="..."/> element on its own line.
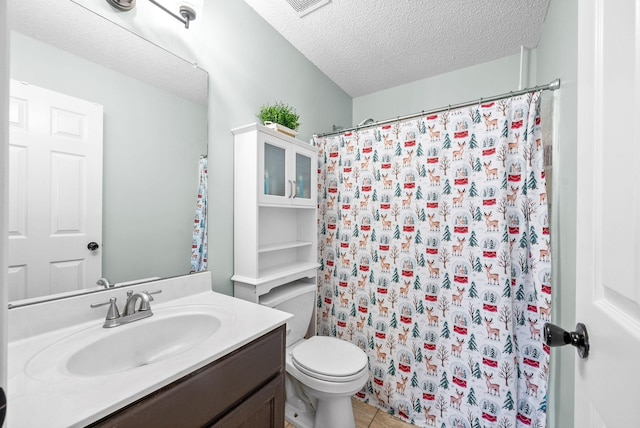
<point x="242" y="389"/>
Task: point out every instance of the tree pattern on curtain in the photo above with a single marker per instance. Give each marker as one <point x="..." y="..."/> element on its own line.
<point x="199" y="250"/>
<point x="435" y="260"/>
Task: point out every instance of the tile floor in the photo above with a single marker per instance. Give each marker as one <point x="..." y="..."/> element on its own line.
<point x="367" y="416"/>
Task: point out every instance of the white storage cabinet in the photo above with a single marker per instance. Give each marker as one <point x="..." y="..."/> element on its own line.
<point x="275" y="211"/>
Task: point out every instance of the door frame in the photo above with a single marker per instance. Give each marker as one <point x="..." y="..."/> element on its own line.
<point x="4" y="188"/>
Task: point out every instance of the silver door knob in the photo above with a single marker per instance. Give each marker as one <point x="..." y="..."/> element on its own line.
<point x="92" y="246"/>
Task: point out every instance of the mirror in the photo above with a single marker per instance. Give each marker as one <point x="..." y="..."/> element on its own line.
<point x="154" y="131"/>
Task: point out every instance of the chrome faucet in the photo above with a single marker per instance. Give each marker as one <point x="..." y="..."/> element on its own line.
<point x="132" y="299"/>
<point x="105" y="283"/>
<point x="113" y="318"/>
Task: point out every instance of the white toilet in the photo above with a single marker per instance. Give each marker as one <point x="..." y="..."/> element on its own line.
<point x="322" y="372"/>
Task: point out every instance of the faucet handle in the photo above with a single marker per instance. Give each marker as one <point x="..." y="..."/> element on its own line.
<point x="144" y="303"/>
<point x="151" y="299"/>
<point x="112" y="313"/>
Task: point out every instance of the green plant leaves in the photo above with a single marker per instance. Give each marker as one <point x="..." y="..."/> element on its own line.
<point x="280" y="113"/>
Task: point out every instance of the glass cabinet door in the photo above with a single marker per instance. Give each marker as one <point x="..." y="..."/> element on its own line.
<point x="274" y="170"/>
<point x="287" y="173"/>
<point x="303" y="176"/>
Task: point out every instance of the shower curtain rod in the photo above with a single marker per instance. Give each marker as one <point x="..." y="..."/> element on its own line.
<point x="555" y="84"/>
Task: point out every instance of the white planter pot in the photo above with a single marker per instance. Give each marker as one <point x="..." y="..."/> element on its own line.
<point x="281" y="128"/>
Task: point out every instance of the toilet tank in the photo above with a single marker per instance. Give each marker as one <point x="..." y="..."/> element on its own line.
<point x="296" y="298"/>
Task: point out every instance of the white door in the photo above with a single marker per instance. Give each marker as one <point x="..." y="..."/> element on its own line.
<point x="55" y="192"/>
<point x="607" y="388"/>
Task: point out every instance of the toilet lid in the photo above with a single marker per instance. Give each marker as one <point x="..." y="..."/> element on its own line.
<point x="329" y="358"/>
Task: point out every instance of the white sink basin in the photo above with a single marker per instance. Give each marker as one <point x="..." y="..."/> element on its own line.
<point x="142" y="344"/>
<point x="98" y="351"/>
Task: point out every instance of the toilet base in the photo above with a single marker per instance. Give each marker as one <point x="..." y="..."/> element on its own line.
<point x="298" y="418"/>
<point x="335" y="413"/>
<point x="331" y="413"/>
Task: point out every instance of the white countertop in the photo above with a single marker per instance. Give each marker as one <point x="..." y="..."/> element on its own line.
<point x="75" y="401"/>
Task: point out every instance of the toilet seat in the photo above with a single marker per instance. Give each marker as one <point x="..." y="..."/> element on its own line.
<point x="329" y="359"/>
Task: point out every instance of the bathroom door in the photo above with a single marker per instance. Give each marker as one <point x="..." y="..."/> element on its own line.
<point x="607" y="384"/>
<point x="55" y="192"/>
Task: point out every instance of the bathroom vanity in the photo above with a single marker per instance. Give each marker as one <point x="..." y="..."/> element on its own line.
<point x="202" y="359"/>
<point x="252" y="396"/>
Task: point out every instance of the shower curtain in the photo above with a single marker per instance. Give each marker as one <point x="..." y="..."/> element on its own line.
<point x="199" y="243"/>
<point x="435" y="260"/>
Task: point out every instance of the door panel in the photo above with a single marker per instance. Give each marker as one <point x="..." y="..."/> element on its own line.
<point x="608" y="219"/>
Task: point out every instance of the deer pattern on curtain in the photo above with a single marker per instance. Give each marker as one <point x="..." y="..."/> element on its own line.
<point x="199" y="245"/>
<point x="435" y="260"/>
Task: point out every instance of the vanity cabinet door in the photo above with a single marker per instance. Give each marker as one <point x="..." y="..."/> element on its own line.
<point x="264" y="409"/>
<point x="244" y="388"/>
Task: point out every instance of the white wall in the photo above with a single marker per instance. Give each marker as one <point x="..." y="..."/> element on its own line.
<point x="482" y="80"/>
<point x="557" y="57"/>
<point x="251" y="64"/>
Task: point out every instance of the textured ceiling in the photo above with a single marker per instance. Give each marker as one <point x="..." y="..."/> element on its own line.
<point x="368" y="46"/>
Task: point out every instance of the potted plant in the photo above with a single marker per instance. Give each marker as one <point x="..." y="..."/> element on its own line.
<point x="281" y="117"/>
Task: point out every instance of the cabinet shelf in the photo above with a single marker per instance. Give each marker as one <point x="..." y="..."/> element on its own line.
<point x="283" y="246"/>
<point x="299" y="207"/>
<point x="275" y="272"/>
<point x="286" y="273"/>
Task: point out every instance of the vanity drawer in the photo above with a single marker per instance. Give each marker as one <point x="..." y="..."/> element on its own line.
<point x="246" y="384"/>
